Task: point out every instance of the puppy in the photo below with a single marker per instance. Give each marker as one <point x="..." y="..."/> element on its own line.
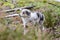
<point x="34" y="17"/>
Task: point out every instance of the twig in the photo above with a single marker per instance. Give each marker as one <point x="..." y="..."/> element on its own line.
<point x="26" y="7"/>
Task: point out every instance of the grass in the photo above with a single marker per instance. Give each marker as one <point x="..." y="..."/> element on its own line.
<point x="8" y="34"/>
<point x="17" y="34"/>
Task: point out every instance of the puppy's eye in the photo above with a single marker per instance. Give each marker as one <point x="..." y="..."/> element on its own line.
<point x="23" y="12"/>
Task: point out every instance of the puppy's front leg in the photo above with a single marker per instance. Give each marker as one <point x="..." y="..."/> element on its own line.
<point x="25" y="28"/>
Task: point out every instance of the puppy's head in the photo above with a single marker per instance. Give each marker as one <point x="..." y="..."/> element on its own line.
<point x="26" y="12"/>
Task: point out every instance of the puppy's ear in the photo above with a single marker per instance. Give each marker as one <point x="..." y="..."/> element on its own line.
<point x="28" y="13"/>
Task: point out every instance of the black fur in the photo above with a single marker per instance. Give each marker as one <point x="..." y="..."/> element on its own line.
<point x="38" y="15"/>
<point x="28" y="13"/>
<point x="41" y="18"/>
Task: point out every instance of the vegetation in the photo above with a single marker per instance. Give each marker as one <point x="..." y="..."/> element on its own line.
<point x="52" y="20"/>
